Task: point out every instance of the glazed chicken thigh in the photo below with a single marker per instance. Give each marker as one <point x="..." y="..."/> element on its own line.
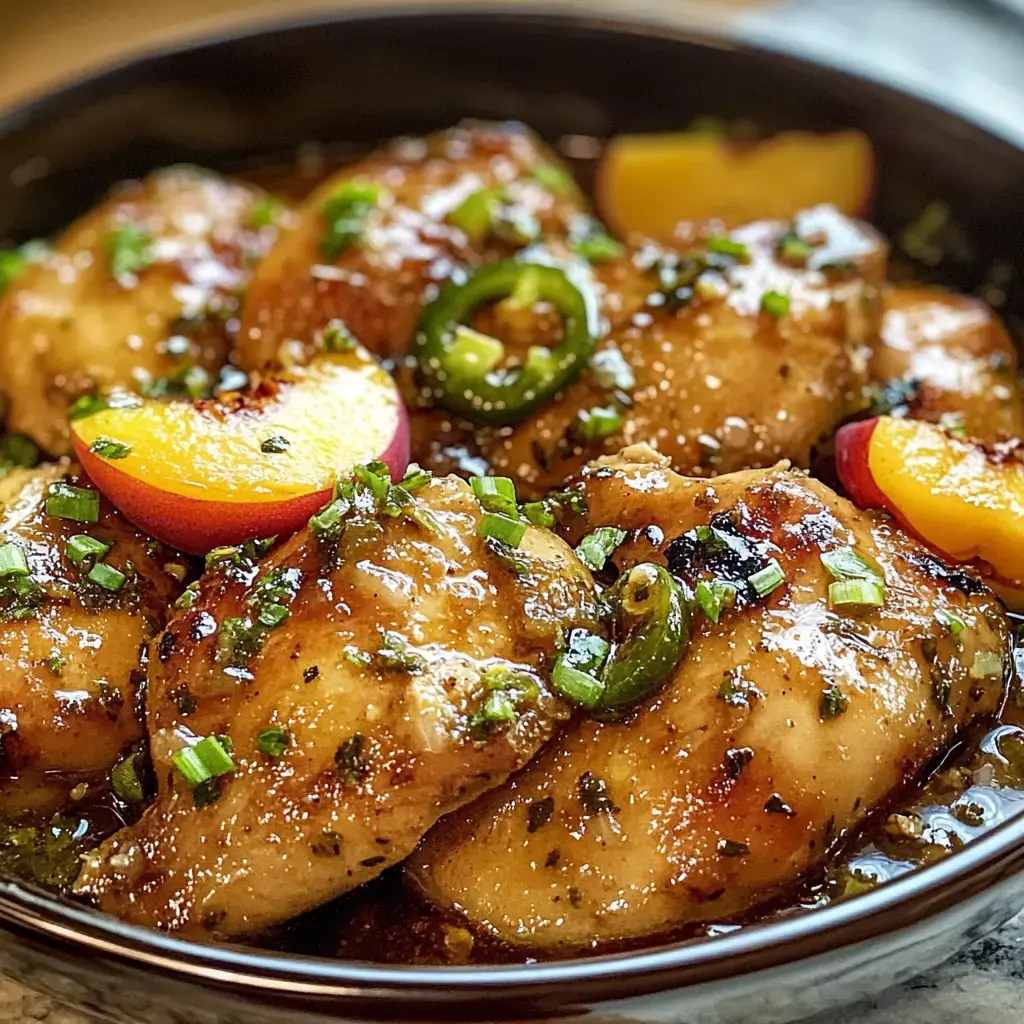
<point x="380" y="236"/>
<point x="138" y="293"/>
<point x="789" y="720"/>
<point x="73" y="648"/>
<point x="364" y="679"/>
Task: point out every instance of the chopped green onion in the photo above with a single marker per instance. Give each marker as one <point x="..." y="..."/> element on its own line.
<point x="271" y="615"/>
<point x="495" y="526"/>
<point x="273" y="741"/>
<point x="326" y="524"/>
<point x="846" y="564"/>
<point x="598" y="248"/>
<point x="832" y="703"/>
<point x="18" y="450"/>
<point x="765" y="580"/>
<point x="376" y="477"/>
<point x="265" y="213"/>
<point x="862" y="593"/>
<point x="775" y="304"/>
<point x="713" y="597"/>
<point x="346" y="211"/>
<point x="496" y="494"/>
<point x="538" y="513"/>
<point x="727" y="247"/>
<point x="552" y="177"/>
<point x="396" y="652"/>
<point x="207" y="759"/>
<point x="951" y="621"/>
<point x="107" y="577"/>
<point x="574" y="685"/>
<point x="77" y="503"/>
<point x="275" y="445"/>
<point x="124" y="778"/>
<point x="130" y="248"/>
<point x="596" y="424"/>
<point x="86" y="405"/>
<point x="106" y="448"/>
<point x="415" y="478"/>
<point x="596" y="548"/>
<point x="337" y="337"/>
<point x="81" y="546"/>
<point x="188" y="597"/>
<point x="477" y="214"/>
<point x="13" y="561"/>
<point x="986" y="665"/>
<point x="794" y="249"/>
<point x="498" y="707"/>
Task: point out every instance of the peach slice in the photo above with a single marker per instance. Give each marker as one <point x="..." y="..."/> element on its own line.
<point x="647" y="184"/>
<point x="964" y="500"/>
<point x="250" y="464"/>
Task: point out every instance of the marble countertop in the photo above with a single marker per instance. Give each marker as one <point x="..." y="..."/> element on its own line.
<point x="966" y="55"/>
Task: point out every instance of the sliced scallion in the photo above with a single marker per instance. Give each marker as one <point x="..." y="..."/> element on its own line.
<point x="13" y="561"/>
<point x="596" y="548"/>
<point x="495" y="526"/>
<point x="713" y="597"/>
<point x="951" y="621"/>
<point x="765" y="580"/>
<point x="107" y="577"/>
<point x="986" y="665"/>
<point x="496" y="494"/>
<point x="273" y="741"/>
<point x="81" y="547"/>
<point x="862" y="593"/>
<point x="775" y="304"/>
<point x="76" y="503"/>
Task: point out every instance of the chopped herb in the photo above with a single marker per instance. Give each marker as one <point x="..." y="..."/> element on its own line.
<point x="13" y="561"/>
<point x="130" y="249"/>
<point x="593" y="794"/>
<point x="495" y="494"/>
<point x="856" y="593"/>
<point x="732" y="848"/>
<point x="538" y="513"/>
<point x="187" y="382"/>
<point x="503" y="529"/>
<point x="20" y="598"/>
<point x="478" y="213"/>
<point x="847" y="564"/>
<point x="596" y="548"/>
<point x="188" y="596"/>
<point x="265" y="213"/>
<point x="275" y="445"/>
<point x="727" y="247"/>
<point x="832" y="703"/>
<point x="598" y="248"/>
<point x="87" y="405"/>
<point x="106" y="448"/>
<point x="552" y="177"/>
<point x="337" y="337"/>
<point x="124" y="778"/>
<point x="714" y="596"/>
<point x="775" y="304"/>
<point x="271" y="615"/>
<point x="107" y="577"/>
<point x="397" y="653"/>
<point x="595" y="424"/>
<point x="17" y="451"/>
<point x="346" y="212"/>
<point x="539" y="812"/>
<point x="765" y="580"/>
<point x="239" y="641"/>
<point x="951" y="621"/>
<point x="273" y="741"/>
<point x="82" y="547"/>
<point x="76" y="503"/>
<point x="497" y="709"/>
<point x="793" y="249"/>
<point x="350" y="760"/>
<point x="207" y="759"/>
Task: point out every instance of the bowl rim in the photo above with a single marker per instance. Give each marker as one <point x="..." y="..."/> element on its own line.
<point x="897" y="905"/>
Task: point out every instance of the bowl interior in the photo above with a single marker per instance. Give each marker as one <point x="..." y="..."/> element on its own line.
<point x="363" y="78"/>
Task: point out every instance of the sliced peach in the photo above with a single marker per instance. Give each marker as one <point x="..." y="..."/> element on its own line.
<point x="259" y="463"/>
<point x="962" y="499"/>
<point x="649" y="183"/>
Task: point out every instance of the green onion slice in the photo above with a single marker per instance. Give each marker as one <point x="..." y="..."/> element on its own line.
<point x="863" y="593"/>
<point x="495" y="526"/>
<point x="765" y="580"/>
<point x="13" y="561"/>
<point x="81" y="547"/>
<point x="107" y="577"/>
<point x="596" y="548"/>
<point x="77" y="503"/>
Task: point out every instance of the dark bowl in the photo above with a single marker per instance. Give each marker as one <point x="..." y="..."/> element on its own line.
<point x="362" y="77"/>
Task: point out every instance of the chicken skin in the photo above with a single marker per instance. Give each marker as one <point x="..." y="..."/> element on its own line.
<point x="957" y="359"/>
<point x="378" y="238"/>
<point x="721" y="382"/>
<point x="366" y="679"/>
<point x="73" y="648"/>
<point x="139" y="292"/>
<point x="788" y="721"/>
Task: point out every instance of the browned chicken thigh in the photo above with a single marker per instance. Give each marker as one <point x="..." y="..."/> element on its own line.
<point x="365" y="679"/>
<point x="139" y="293"/>
<point x="789" y="720"/>
<point x="72" y="639"/>
<point x="711" y="372"/>
<point x="959" y="363"/>
<point x="380" y="236"/>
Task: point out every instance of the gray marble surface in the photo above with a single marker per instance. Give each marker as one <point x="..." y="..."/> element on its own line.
<point x="968" y="56"/>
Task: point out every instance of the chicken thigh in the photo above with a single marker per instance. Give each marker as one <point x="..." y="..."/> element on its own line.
<point x="78" y="602"/>
<point x="378" y="670"/>
<point x="139" y="293"/>
<point x="793" y="716"/>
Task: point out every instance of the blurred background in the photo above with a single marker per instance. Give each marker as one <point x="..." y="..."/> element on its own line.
<point x="965" y="54"/>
